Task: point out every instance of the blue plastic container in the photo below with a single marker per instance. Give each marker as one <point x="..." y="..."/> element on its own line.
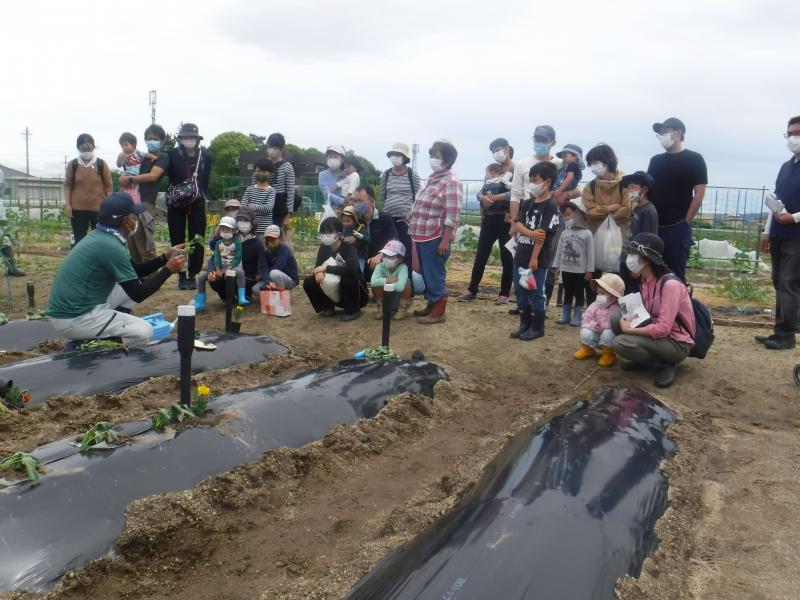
<point x="160" y="325"/>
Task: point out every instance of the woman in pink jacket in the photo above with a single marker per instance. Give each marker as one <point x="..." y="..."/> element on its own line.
<point x="669" y="336"/>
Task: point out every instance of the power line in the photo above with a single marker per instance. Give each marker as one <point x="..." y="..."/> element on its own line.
<point x="27" y="135"/>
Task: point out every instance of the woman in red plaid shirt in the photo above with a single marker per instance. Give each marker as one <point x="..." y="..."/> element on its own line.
<point x="434" y="218"/>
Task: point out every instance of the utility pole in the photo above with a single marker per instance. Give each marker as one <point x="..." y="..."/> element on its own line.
<point x="153" y="107"/>
<point x="27" y="135"/>
<point x="414" y="152"/>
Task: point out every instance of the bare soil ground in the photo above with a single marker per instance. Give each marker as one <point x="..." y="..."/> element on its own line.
<point x="308" y="522"/>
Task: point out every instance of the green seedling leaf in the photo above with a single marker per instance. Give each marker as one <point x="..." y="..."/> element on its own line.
<point x="22" y="460"/>
<point x="93" y="345"/>
<point x="100" y="432"/>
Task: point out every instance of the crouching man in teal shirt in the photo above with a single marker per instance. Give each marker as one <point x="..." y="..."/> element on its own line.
<point x="98" y="283"/>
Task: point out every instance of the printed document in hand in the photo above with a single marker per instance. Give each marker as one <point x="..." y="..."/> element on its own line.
<point x="511" y="246"/>
<point x="776" y="206"/>
<point x="633" y="309"/>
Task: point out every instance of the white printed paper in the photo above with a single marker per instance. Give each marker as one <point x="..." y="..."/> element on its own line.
<point x="511" y="246"/>
<point x="632" y="307"/>
<point x="776" y="206"/>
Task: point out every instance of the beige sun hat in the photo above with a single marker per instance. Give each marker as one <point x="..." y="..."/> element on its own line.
<point x="612" y="283"/>
<point x="400" y="148"/>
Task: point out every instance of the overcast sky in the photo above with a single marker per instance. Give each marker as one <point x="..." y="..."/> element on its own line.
<point x="368" y="73"/>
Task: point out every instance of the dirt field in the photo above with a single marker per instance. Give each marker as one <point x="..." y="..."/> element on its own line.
<point x="307" y="523"/>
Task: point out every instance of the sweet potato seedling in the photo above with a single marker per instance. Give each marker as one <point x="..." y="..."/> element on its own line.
<point x="22" y="460"/>
<point x="99" y="432"/>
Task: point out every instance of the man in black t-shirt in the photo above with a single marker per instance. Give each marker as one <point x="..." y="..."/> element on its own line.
<point x="142" y="244"/>
<point x="680" y="177"/>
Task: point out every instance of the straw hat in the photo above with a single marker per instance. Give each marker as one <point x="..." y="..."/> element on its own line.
<point x="612" y="283"/>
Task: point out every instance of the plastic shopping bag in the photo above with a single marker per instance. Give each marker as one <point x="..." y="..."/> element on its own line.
<point x="330" y="283"/>
<point x="526" y="279"/>
<point x="608" y="246"/>
<point x="277" y="303"/>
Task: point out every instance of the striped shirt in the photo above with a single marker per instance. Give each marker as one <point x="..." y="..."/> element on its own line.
<point x="282" y="181"/>
<point x="261" y="201"/>
<point x="396" y="194"/>
<point x="438" y="205"/>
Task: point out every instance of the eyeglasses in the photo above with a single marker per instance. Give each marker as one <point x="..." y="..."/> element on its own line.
<point x="792" y="134"/>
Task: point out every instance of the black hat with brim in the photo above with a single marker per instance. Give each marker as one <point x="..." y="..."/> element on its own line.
<point x="647" y="245"/>
<point x="671" y="123"/>
<point x="189" y="130"/>
<point x="642" y="178"/>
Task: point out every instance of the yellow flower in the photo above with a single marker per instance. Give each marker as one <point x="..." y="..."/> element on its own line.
<point x="203" y="390"/>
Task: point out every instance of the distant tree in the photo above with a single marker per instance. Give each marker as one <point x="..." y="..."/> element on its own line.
<point x="260" y="142"/>
<point x="225" y="150"/>
<point x="169" y="142"/>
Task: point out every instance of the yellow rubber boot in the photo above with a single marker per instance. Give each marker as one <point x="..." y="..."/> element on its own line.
<point x="585" y="352"/>
<point x="607" y="358"/>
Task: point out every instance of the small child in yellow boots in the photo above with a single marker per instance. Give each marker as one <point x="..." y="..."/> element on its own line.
<point x="596" y="321"/>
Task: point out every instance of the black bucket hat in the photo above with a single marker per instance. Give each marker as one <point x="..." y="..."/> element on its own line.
<point x="647" y="245"/>
<point x="642" y="178"/>
<point x="189" y="130"/>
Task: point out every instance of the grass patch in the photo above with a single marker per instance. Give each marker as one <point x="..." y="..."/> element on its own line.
<point x="742" y="289"/>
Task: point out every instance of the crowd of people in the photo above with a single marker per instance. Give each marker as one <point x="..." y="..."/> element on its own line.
<point x="616" y="235"/>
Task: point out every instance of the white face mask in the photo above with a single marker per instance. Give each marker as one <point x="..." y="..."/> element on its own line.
<point x="87" y="156"/>
<point x="226" y="235"/>
<point x="634" y="196"/>
<point x="329" y="239"/>
<point x="244" y="226"/>
<point x="568" y="223"/>
<point x="436" y="164"/>
<point x="666" y="140"/>
<point x="499" y="156"/>
<point x="396" y="161"/>
<point x="535" y="189"/>
<point x="390" y="262"/>
<point x="793" y="143"/>
<point x="599" y="169"/>
<point x="334" y="163"/>
<point x="273" y="153"/>
<point x="189" y="143"/>
<point x="602" y="299"/>
<point x="634" y="263"/>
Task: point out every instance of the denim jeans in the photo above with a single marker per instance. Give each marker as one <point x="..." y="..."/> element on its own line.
<point x="530" y="299"/>
<point x="677" y="242"/>
<point x="433" y="269"/>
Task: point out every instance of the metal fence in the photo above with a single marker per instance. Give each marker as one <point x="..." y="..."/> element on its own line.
<point x="732" y="214"/>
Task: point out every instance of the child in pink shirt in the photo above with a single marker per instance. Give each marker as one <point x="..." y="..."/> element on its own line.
<point x="596" y="320"/>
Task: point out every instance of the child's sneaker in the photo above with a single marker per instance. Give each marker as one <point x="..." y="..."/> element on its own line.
<point x="501" y="300"/>
<point x="378" y="310"/>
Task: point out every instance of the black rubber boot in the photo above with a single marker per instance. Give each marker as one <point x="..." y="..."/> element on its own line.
<point x="537" y="327"/>
<point x="665" y="376"/>
<point x="524" y="323"/>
